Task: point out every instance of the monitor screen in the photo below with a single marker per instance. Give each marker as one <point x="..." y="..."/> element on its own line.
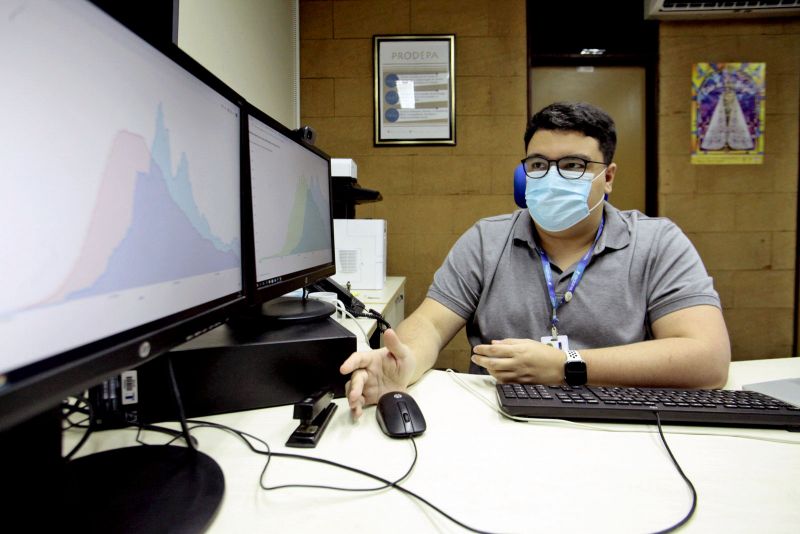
<point x="120" y="214"/>
<point x="290" y="189"/>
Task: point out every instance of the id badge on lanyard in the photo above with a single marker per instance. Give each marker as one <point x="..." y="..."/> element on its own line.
<point x="561" y="342"/>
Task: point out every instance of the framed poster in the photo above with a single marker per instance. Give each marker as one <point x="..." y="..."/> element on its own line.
<point x="414" y="89"/>
<point x="728" y="110"/>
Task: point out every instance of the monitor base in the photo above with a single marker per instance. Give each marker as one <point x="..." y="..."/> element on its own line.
<point x="294" y="309"/>
<point x="143" y="489"/>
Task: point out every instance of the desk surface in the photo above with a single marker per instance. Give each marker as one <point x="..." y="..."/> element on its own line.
<point x="504" y="476"/>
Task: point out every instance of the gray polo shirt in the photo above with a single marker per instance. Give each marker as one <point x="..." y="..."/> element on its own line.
<point x="642" y="268"/>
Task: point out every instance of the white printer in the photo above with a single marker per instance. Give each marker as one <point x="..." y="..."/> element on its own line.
<point x="360" y="243"/>
<point x="360" y="252"/>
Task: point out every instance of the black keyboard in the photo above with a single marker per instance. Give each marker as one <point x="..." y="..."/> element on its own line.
<point x="637" y="405"/>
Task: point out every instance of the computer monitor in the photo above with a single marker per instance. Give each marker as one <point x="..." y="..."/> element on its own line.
<point x="120" y="219"/>
<point x="290" y="244"/>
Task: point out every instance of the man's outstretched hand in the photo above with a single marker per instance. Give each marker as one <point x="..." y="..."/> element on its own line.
<point x="375" y="372"/>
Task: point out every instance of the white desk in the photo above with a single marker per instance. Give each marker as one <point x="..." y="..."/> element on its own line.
<point x="504" y="476"/>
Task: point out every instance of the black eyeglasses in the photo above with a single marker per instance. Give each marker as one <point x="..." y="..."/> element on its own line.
<point x="569" y="167"/>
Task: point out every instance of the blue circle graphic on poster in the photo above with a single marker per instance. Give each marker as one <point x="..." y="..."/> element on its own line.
<point x="392" y="115"/>
<point x="391" y="80"/>
<point x="392" y="97"/>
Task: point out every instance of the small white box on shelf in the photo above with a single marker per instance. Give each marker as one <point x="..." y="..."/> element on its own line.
<point x="344" y="167"/>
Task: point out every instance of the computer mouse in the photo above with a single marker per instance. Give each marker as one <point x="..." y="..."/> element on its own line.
<point x="399" y="415"/>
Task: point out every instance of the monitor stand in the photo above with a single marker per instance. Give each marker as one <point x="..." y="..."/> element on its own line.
<point x="147" y="488"/>
<point x="144" y="489"/>
<point x="295" y="309"/>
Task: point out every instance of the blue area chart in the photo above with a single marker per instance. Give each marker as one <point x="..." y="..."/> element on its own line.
<point x="167" y="239"/>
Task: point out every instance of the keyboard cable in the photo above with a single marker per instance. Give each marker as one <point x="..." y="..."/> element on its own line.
<point x="493" y="404"/>
<point x="692" y="509"/>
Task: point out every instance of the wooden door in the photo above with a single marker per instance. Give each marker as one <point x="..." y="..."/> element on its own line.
<point x="620" y="91"/>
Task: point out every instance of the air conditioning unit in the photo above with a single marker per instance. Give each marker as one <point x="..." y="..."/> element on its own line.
<point x="671" y="10"/>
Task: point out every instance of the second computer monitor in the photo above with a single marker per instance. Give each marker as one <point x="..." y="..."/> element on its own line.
<point x="290" y="198"/>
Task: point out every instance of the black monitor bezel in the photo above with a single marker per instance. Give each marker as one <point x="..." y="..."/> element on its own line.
<point x="40" y="386"/>
<point x="259" y="294"/>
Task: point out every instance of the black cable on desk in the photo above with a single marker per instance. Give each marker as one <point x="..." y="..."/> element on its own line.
<point x="685" y="478"/>
<point x="395" y="485"/>
<point x="386" y="483"/>
<point x="337" y="488"/>
<point x="176" y="434"/>
<point x="244" y="435"/>
<point x="73" y="408"/>
<point x="68" y="409"/>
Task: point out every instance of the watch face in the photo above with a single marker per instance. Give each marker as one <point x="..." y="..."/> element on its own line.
<point x="575" y="373"/>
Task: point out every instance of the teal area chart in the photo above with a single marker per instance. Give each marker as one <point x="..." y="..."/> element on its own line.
<point x="146" y="227"/>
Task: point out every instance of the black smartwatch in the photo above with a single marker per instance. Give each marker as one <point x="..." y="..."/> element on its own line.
<point x="574" y="369"/>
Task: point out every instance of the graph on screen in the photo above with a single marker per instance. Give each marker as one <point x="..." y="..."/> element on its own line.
<point x="307" y="220"/>
<point x="146" y="228"/>
<point x="121" y="183"/>
<point x="145" y="245"/>
<point x="291" y="204"/>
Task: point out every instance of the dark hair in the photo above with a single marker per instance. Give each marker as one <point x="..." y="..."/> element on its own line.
<point x="581" y="117"/>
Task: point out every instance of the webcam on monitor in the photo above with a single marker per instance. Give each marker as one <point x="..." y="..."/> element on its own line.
<point x="307" y="134"/>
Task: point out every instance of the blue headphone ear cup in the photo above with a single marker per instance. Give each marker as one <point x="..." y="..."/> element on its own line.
<point x="519" y="186"/>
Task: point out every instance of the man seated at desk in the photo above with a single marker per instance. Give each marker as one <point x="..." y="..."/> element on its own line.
<point x="570" y="279"/>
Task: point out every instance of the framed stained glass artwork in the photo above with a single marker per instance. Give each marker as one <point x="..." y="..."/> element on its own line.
<point x="728" y="111"/>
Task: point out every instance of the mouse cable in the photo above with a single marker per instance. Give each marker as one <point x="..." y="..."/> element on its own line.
<point x="341" y="466"/>
<point x="244" y="436"/>
<point x="385" y="483"/>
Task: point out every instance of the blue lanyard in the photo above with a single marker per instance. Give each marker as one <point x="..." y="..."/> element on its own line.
<point x="573" y="283"/>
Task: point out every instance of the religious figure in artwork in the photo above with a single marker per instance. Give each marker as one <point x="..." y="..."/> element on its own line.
<point x="728" y="126"/>
<point x="728" y="110"/>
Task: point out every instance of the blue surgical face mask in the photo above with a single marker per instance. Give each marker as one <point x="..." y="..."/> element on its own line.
<point x="556" y="203"/>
